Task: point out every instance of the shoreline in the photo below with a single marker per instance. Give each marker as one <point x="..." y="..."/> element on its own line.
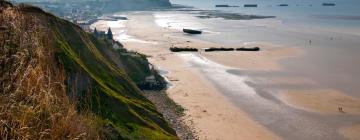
<point x="222" y="120"/>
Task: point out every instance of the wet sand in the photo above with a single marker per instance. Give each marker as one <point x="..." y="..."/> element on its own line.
<point x="265" y="60"/>
<point x="323" y="101"/>
<point x="243" y="95"/>
<point x="351" y="132"/>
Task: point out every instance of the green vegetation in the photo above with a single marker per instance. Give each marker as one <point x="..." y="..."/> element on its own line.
<point x="139" y="69"/>
<point x="90" y="90"/>
<point x="137" y="65"/>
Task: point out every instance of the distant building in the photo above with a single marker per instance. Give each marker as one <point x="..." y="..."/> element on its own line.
<point x="102" y="34"/>
<point x="108" y="36"/>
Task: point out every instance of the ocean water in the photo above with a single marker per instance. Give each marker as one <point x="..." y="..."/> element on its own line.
<point x="299" y="15"/>
<point x="300" y="11"/>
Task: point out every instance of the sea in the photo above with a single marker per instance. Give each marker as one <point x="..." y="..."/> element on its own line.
<point x="345" y="13"/>
<point x="307" y="15"/>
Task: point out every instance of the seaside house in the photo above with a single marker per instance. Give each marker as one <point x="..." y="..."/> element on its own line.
<point x="100" y="34"/>
<point x="109" y="37"/>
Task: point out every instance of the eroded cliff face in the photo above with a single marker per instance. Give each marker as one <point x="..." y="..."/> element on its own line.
<point x="57" y="84"/>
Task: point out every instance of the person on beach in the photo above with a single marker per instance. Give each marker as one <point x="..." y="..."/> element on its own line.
<point x="310" y="42"/>
<point x="340" y="109"/>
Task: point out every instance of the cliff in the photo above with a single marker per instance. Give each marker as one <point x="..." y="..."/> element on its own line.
<point x="58" y="82"/>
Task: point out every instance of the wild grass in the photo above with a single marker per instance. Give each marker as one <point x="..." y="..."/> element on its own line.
<point x="57" y="84"/>
<point x="38" y="109"/>
<point x="33" y="100"/>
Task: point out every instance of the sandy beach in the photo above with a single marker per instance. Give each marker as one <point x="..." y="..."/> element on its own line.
<point x="213" y="116"/>
<point x="351" y="132"/>
<point x="323" y="101"/>
<point x="263" y="96"/>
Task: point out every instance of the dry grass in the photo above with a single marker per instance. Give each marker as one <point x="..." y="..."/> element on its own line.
<point x="33" y="101"/>
<point x="37" y="108"/>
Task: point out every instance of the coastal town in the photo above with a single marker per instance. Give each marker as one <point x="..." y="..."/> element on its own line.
<point x="82" y="13"/>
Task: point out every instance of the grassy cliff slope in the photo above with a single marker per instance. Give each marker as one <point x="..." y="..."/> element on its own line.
<point x="57" y="84"/>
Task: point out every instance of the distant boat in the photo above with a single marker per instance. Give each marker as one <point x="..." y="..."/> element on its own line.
<point x="250" y="5"/>
<point x="191" y="31"/>
<point x="328" y="4"/>
<point x="225" y="5"/>
<point x="283" y="5"/>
